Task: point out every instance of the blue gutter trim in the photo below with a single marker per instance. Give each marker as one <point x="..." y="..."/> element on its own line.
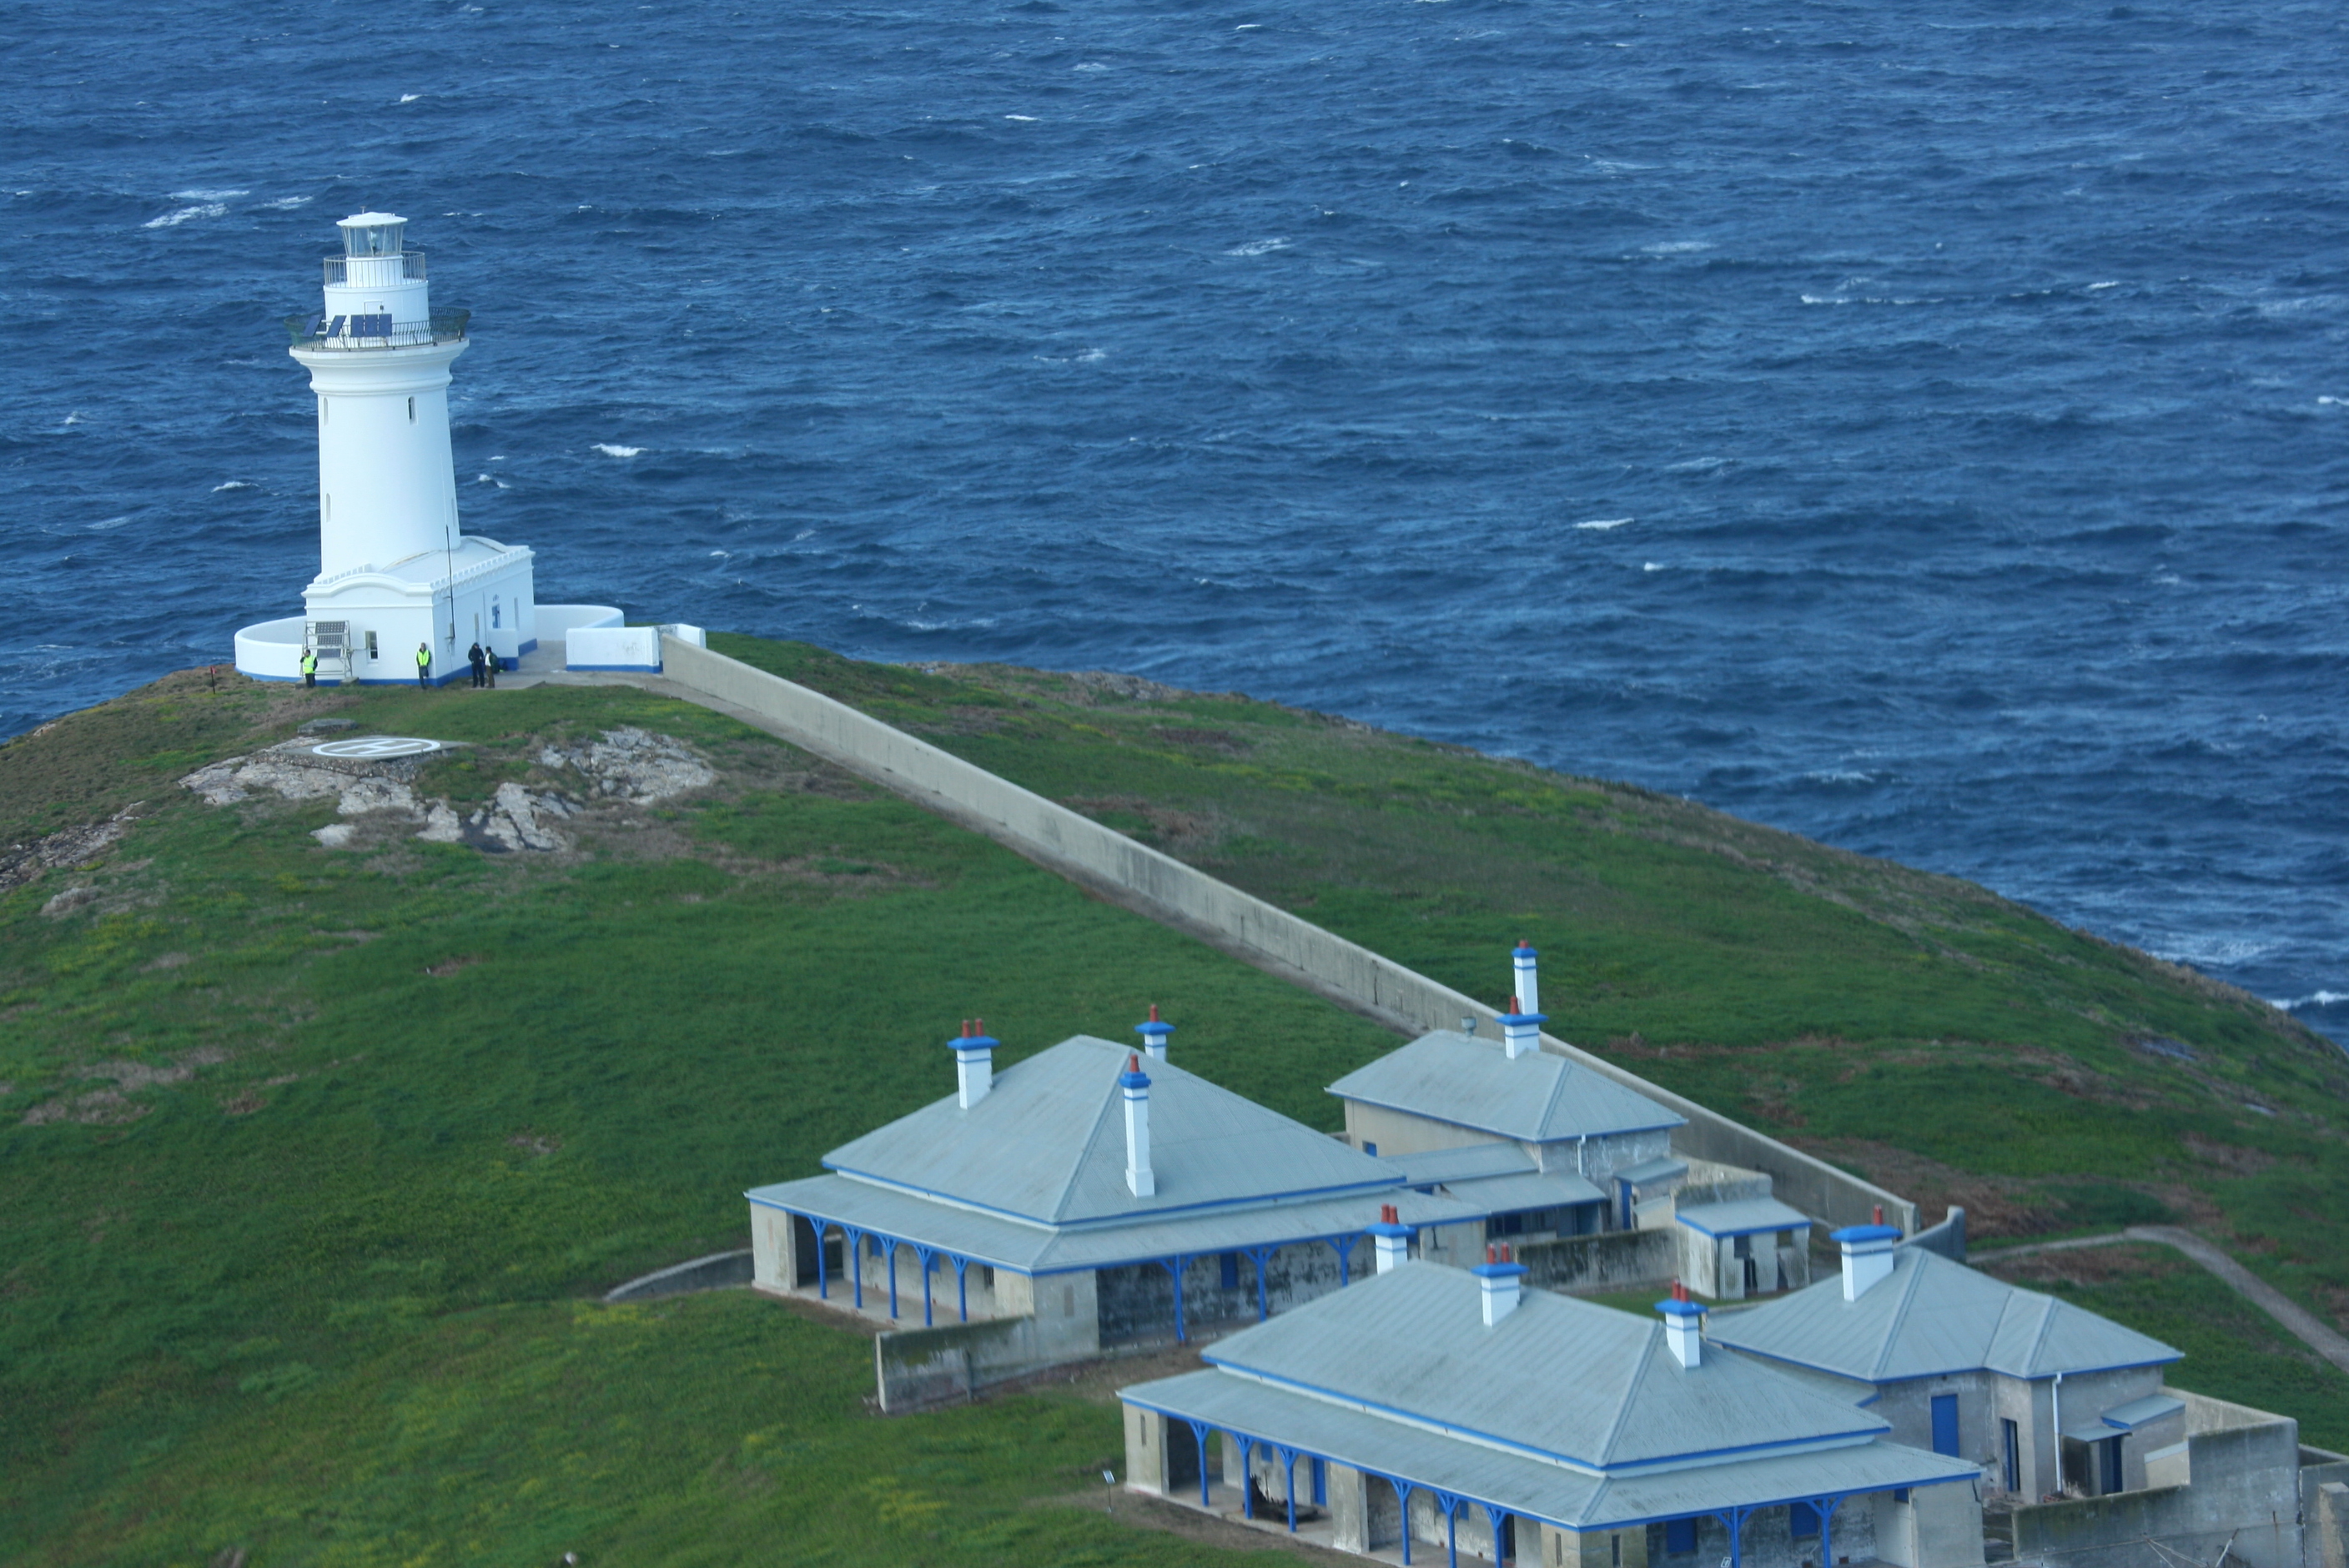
<point x="1602" y="1470"/>
<point x="1139" y="1262"/>
<point x="1109" y="1221"/>
<point x="1503" y="1132"/>
<point x="1525" y="1513"/>
<point x="1881" y="1383"/>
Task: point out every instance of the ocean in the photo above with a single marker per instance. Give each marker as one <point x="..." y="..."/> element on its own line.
<point x="1921" y="428"/>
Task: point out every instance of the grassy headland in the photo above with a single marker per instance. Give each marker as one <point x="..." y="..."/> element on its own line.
<point x="313" y="1159"/>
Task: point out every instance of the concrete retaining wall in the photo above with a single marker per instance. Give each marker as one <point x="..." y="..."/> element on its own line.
<point x="1611" y="1259"/>
<point x="917" y="1369"/>
<point x="716" y="1271"/>
<point x="1183" y="896"/>
<point x="2244" y="1496"/>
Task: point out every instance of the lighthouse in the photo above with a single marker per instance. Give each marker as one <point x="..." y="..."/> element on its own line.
<point x="396" y="571"/>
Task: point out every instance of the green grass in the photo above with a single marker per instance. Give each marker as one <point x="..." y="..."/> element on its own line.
<point x="319" y="1296"/>
<point x="1953" y="1045"/>
<point x="350" y="1141"/>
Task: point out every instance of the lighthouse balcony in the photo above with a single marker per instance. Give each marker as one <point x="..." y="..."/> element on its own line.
<point x="373" y="334"/>
<point x="357" y="272"/>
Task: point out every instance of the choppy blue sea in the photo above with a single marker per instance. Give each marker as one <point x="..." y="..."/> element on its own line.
<point x="1921" y="426"/>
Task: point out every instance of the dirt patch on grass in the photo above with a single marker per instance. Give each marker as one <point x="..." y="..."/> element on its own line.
<point x="1994" y="1205"/>
<point x="2231" y="1158"/>
<point x="2084" y="1266"/>
<point x="1178" y="832"/>
<point x="447" y="966"/>
<point x="1143" y="1511"/>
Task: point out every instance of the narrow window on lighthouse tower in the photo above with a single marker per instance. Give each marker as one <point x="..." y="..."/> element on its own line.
<point x="322" y="410"/>
<point x="325" y="509"/>
<point x="411" y="411"/>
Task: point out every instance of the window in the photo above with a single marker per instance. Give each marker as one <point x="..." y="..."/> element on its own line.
<point x="1741" y="1246"/>
<point x="322" y="410"/>
<point x="1227" y="1273"/>
<point x="1900" y="1496"/>
<point x="2109" y="1453"/>
<point x="1802" y="1521"/>
<point x="2010" y="1456"/>
<point x="1679" y="1537"/>
<point x="326" y="508"/>
<point x="1615" y="1550"/>
<point x="1945" y="1424"/>
<point x="1369" y="1149"/>
<point x="371" y="650"/>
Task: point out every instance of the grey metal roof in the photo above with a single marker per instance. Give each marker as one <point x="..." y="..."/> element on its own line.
<point x="1557" y="1376"/>
<point x="1498" y="1158"/>
<point x="1039" y="1249"/>
<point x="1529" y="1189"/>
<point x="1741" y="1217"/>
<point x="1526" y="1485"/>
<point x="1930" y="1316"/>
<point x="1662" y="1168"/>
<point x="2138" y="1412"/>
<point x="1473" y="1082"/>
<point x="1398" y="1406"/>
<point x="1048" y="1144"/>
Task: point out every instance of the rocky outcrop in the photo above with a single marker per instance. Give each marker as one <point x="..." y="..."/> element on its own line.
<point x="632" y="764"/>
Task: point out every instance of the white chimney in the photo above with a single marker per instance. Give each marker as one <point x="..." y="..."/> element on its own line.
<point x="973" y="1063"/>
<point x="1521" y="1031"/>
<point x="1527" y="986"/>
<point x="1154" y="1035"/>
<point x="1866" y="1254"/>
<point x="1684" y="1327"/>
<point x="1137" y="1089"/>
<point x="1500" y="1275"/>
<point x="1393" y="1239"/>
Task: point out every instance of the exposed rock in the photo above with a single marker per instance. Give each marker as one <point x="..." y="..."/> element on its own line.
<point x="60" y="851"/>
<point x="632" y="764"/>
<point x="335" y="835"/>
<point x="323" y="726"/>
<point x="72" y="899"/>
<point x="511" y="821"/>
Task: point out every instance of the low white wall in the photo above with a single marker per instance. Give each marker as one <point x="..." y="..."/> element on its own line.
<point x="614" y="648"/>
<point x="556" y="622"/>
<point x="271" y="651"/>
<point x="1183" y="896"/>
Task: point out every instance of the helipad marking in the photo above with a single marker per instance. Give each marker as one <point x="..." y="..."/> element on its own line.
<point x="376" y="746"/>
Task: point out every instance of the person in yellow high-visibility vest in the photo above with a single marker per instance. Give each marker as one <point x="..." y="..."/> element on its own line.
<point x="309" y="667"/>
<point x="424" y="667"/>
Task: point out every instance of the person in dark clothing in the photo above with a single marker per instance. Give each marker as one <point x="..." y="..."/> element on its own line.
<point x="423" y="666"/>
<point x="474" y="655"/>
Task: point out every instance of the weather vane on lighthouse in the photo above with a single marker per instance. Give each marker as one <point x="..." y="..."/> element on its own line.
<point x="398" y="578"/>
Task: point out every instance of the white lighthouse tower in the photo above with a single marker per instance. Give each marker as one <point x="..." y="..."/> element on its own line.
<point x="394" y="568"/>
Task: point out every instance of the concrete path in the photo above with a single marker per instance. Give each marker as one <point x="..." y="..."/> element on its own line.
<point x="2297" y="1320"/>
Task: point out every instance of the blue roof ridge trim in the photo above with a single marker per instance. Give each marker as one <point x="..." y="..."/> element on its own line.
<point x="1816" y="1444"/>
<point x="1143" y="1216"/>
<point x="1494" y="1131"/>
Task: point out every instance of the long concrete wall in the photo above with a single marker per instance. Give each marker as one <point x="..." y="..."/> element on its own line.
<point x="1164" y="888"/>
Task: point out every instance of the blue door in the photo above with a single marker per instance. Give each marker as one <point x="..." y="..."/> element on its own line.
<point x="1945" y="1424"/>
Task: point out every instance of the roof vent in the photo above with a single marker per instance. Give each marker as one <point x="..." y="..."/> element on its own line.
<point x="1523" y="981"/>
<point x="1521" y="1031"/>
<point x="973" y="1063"/>
<point x="1502" y="1277"/>
<point x="1684" y="1327"/>
<point x="1393" y="1239"/>
<point x="1866" y="1254"/>
<point x="1154" y="1035"/>
<point x="1139" y="1177"/>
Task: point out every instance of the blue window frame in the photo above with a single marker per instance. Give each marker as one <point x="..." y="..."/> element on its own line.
<point x="1320" y="1484"/>
<point x="1945" y="1424"/>
<point x="1369" y="1149"/>
<point x="1802" y="1521"/>
<point x="1228" y="1274"/>
<point x="1679" y="1537"/>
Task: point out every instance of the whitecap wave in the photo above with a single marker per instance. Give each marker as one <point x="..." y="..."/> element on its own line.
<point x="285" y="203"/>
<point x="2098" y="288"/>
<point x="109" y="525"/>
<point x="233" y="484"/>
<point x="1651" y="566"/>
<point x="1602" y="524"/>
<point x="207" y="195"/>
<point x="1089" y="66"/>
<point x="614" y="450"/>
<point x="1696" y="466"/>
<point x="1676" y="248"/>
<point x="2313" y="999"/>
<point x="2332" y="402"/>
<point x="173" y="219"/>
<point x="1258" y="247"/>
<point x="409" y="98"/>
<point x="1028" y="117"/>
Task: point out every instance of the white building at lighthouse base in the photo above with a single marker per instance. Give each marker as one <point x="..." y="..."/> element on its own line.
<point x="399" y="580"/>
